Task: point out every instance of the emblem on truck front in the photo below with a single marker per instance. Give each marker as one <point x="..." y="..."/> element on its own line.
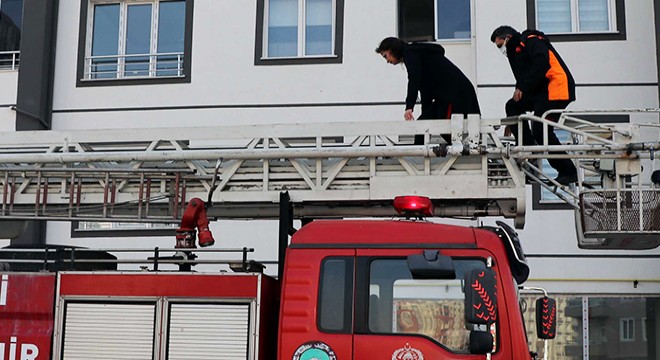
<point x="407" y="353"/>
<point x="314" y="350"/>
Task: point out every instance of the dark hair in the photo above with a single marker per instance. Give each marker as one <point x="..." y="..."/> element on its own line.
<point x="502" y="32"/>
<point x="394" y="45"/>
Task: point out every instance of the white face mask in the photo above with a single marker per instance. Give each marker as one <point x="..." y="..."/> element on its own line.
<point x="503" y="47"/>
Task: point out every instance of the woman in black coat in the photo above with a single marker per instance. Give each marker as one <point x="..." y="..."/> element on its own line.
<point x="443" y="88"/>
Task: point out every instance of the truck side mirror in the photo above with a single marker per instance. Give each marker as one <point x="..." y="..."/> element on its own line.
<point x="480" y="296"/>
<point x="431" y="265"/>
<point x="481" y="342"/>
<point x="546" y="318"/>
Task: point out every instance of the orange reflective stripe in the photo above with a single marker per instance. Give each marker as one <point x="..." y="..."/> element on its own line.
<point x="558" y="86"/>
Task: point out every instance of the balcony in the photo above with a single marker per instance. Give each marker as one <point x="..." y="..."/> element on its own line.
<point x="9" y="60"/>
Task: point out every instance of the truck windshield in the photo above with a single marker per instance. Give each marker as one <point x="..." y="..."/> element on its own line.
<point x="433" y="308"/>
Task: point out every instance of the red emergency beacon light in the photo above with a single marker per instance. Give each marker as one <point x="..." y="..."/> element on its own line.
<point x="416" y="206"/>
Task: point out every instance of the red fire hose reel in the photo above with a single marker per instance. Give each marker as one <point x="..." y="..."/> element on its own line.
<point x="194" y="217"/>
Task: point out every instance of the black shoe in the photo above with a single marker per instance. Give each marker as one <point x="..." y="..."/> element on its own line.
<point x="566" y="179"/>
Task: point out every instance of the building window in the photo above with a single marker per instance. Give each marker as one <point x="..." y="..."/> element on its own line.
<point x="435" y="19"/>
<point x="573" y="16"/>
<point x="11" y="19"/>
<point x="588" y="19"/>
<point x="295" y="31"/>
<point x="130" y="39"/>
<point x="627" y="329"/>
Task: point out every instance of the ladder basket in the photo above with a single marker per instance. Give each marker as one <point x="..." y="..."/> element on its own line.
<point x="615" y="218"/>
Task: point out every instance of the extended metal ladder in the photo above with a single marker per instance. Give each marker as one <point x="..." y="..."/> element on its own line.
<point x="329" y="170"/>
<point x="341" y="169"/>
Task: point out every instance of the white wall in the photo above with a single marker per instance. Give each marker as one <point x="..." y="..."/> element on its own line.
<point x="8" y="90"/>
<point x="223" y="73"/>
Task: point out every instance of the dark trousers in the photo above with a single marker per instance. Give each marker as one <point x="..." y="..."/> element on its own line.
<point x="535" y="134"/>
<point x="436" y="110"/>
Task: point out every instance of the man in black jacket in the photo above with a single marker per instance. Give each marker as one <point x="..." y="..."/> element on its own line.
<point x="543" y="82"/>
<point x="444" y="89"/>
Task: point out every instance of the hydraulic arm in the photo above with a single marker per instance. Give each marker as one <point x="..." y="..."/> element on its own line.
<point x="194" y="220"/>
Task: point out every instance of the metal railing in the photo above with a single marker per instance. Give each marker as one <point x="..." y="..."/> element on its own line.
<point x="144" y="259"/>
<point x="9" y="60"/>
<point x="616" y="210"/>
<point x="134" y="66"/>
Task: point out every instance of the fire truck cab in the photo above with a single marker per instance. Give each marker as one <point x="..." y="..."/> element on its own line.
<point x="402" y="289"/>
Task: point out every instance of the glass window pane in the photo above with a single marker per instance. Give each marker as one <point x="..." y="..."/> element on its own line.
<point x="13" y="11"/>
<point x="554" y="16"/>
<point x="416" y="19"/>
<point x="171" y="31"/>
<point x="454" y="19"/>
<point x="282" y="28"/>
<point x="335" y="294"/>
<point x="609" y="332"/>
<point x="594" y="15"/>
<point x="434" y="308"/>
<point x="11" y="19"/>
<point x="138" y="40"/>
<point x="171" y="26"/>
<point x="318" y="27"/>
<point x="568" y="343"/>
<point x="105" y="41"/>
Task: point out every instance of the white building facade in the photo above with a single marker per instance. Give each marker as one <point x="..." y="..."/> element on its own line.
<point x="98" y="64"/>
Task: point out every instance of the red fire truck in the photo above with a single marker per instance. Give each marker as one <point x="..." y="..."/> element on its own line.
<point x="350" y="289"/>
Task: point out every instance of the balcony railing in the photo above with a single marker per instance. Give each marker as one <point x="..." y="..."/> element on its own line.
<point x="9" y="60"/>
<point x="134" y="66"/>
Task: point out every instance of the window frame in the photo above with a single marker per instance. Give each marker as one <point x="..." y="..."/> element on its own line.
<point x="261" y="39"/>
<point x="617" y="19"/>
<point x="84" y="43"/>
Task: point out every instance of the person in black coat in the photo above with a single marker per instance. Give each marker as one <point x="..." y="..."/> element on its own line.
<point x="444" y="89"/>
<point x="543" y="82"/>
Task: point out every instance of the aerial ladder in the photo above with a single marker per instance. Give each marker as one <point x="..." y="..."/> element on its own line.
<point x="338" y="169"/>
